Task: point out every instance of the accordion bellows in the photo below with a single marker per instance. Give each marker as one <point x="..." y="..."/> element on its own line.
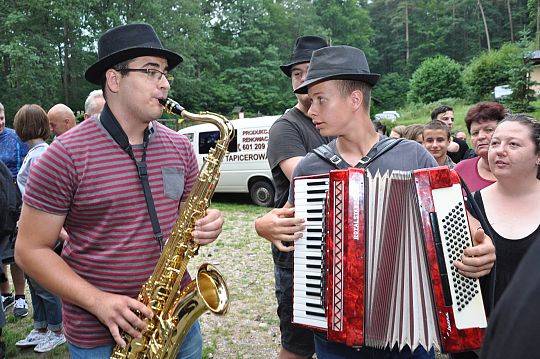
<point x="375" y="265"/>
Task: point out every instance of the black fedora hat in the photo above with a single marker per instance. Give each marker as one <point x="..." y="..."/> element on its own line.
<point x="127" y="42"/>
<point x="338" y="63"/>
<point x="303" y="48"/>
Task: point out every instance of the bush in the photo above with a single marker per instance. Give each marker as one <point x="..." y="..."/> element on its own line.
<point x="391" y="91"/>
<point x="436" y="78"/>
<point x="490" y="69"/>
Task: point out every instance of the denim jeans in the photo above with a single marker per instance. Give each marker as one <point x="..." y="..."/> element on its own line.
<point x="191" y="348"/>
<point x="295" y="339"/>
<point x="329" y="350"/>
<point x="47" y="307"/>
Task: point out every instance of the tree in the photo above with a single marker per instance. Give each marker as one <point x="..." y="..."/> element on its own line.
<point x="391" y="91"/>
<point x="485" y="25"/>
<point x="490" y="69"/>
<point x="436" y="78"/>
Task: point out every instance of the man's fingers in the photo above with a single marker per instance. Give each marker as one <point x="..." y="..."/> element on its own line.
<point x="479" y="236"/>
<point x="137" y="306"/>
<point x="283" y="212"/>
<point x="113" y="328"/>
<point x="212" y="215"/>
<point x="478" y="261"/>
<point x="289" y="222"/>
<point x="135" y="321"/>
<point x="288" y="237"/>
<point x="127" y="327"/>
<point x="282" y="248"/>
<point x="480" y="250"/>
<point x="466" y="267"/>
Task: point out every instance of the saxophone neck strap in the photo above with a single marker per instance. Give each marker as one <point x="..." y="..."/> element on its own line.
<point x="110" y="123"/>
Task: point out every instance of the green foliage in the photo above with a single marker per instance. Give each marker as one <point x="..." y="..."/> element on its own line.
<point x="436" y="78"/>
<point x="416" y="113"/>
<point x="519" y="79"/>
<point x="391" y="91"/>
<point x="232" y="49"/>
<point x="490" y="69"/>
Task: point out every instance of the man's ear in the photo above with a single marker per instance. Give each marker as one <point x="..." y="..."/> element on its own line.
<point x="112" y="80"/>
<point x="357" y="99"/>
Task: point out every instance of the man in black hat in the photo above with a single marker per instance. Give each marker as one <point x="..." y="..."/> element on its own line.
<point x="92" y="182"/>
<point x="339" y="85"/>
<point x="291" y="137"/>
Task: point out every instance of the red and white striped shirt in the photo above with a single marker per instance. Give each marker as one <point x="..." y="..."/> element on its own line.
<point x="87" y="177"/>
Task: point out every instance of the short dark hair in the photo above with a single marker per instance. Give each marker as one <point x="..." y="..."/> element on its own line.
<point x="379" y="126"/>
<point x="346" y="87"/>
<point x="31" y="122"/>
<point x="437" y="125"/>
<point x="485" y="111"/>
<point x="118" y="67"/>
<point x="440" y="109"/>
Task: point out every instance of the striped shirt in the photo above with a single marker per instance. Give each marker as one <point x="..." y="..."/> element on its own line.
<point x="87" y="177"/>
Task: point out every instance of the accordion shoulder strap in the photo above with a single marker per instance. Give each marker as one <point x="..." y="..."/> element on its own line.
<point x="328" y="154"/>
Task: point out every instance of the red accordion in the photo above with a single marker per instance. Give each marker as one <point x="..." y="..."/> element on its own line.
<point x="375" y="264"/>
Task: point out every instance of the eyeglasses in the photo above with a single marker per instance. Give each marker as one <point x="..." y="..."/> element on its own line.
<point x="154" y="74"/>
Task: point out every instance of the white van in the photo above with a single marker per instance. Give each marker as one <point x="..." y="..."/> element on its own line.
<point x="245" y="168"/>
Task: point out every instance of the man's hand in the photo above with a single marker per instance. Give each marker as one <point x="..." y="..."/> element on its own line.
<point x="280" y="225"/>
<point x="118" y="313"/>
<point x="477" y="261"/>
<point x="208" y="228"/>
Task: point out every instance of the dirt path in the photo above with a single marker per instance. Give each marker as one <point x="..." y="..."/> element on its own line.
<point x="251" y="328"/>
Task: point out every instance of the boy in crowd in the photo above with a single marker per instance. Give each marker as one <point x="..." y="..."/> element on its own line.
<point x="436" y="140"/>
<point x="458" y="148"/>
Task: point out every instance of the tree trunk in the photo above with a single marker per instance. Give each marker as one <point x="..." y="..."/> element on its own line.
<point x="66" y="72"/>
<point x="510" y="20"/>
<point x="537" y="25"/>
<point x="407" y="49"/>
<point x="485" y="25"/>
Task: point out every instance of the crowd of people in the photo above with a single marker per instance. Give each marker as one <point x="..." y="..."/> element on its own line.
<point x="99" y="199"/>
<point x="20" y="148"/>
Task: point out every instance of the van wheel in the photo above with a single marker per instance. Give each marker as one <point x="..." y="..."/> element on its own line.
<point x="262" y="193"/>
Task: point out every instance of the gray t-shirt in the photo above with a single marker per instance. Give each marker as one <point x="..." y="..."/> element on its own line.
<point x="405" y="156"/>
<point x="292" y="135"/>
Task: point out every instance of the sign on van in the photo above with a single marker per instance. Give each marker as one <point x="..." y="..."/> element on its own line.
<point x="245" y="168"/>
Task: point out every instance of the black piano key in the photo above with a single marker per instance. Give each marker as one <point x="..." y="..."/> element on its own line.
<point x="322" y="315"/>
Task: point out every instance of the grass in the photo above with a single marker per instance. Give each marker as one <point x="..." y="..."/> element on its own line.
<point x="419" y="113"/>
<point x="17" y="329"/>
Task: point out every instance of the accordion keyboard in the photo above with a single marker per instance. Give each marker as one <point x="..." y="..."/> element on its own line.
<point x="310" y="194"/>
<point x="466" y="299"/>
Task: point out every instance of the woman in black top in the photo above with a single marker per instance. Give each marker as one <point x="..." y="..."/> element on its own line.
<point x="515" y="155"/>
<point x="511" y="205"/>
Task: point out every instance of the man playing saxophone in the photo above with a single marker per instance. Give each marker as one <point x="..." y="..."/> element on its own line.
<point x="91" y="181"/>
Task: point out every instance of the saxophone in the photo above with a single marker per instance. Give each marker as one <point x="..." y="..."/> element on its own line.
<point x="176" y="309"/>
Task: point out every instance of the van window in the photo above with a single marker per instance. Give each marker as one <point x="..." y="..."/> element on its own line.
<point x="207" y="140"/>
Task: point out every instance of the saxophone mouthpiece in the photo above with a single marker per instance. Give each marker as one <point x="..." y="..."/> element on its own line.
<point x="171" y="106"/>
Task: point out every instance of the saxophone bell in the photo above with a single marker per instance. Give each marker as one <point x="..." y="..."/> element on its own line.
<point x="207" y="292"/>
